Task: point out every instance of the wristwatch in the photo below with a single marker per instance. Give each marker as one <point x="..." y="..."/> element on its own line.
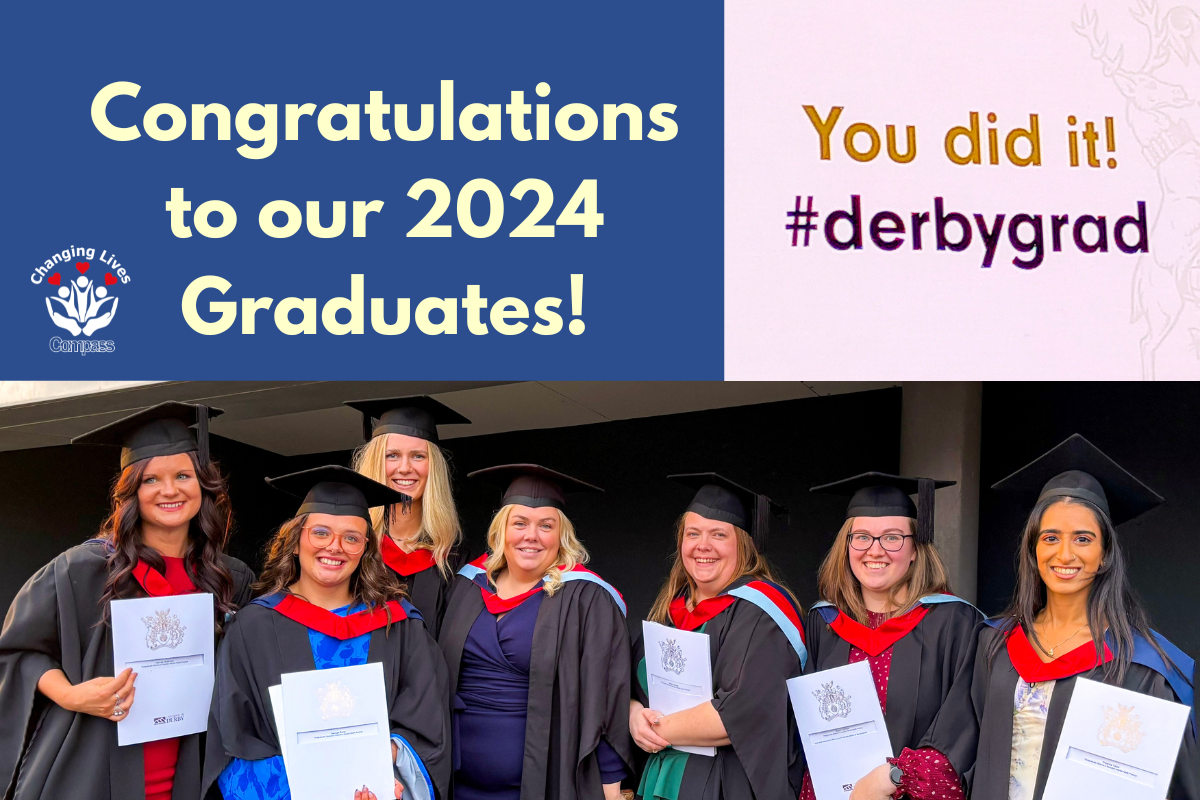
<point x="896" y="774"/>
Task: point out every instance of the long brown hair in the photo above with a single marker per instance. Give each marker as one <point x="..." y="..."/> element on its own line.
<point x="372" y="583"/>
<point x="749" y="562"/>
<point x="837" y="585"/>
<point x="1111" y="603"/>
<point x="208" y="534"/>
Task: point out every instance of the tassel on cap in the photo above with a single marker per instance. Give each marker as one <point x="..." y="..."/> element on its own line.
<point x="925" y="504"/>
<point x="367" y="427"/>
<point x="762" y="522"/>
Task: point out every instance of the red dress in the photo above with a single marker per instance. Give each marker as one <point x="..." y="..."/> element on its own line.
<point x="161" y="756"/>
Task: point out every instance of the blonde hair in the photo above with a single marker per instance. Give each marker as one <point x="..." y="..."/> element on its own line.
<point x="571" y="551"/>
<point x="440" y="531"/>
<point x="837" y="585"/>
<point x="749" y="562"/>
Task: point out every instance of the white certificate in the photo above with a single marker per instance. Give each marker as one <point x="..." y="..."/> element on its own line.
<point x="841" y="726"/>
<point x="168" y="641"/>
<point x="1115" y="745"/>
<point x="337" y="730"/>
<point x="678" y="672"/>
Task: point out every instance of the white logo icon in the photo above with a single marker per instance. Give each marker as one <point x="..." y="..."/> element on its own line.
<point x="83" y="306"/>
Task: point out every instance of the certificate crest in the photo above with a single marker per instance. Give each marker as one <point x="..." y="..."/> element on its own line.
<point x="336" y="700"/>
<point x="1122" y="728"/>
<point x="163" y="629"/>
<point x="832" y="701"/>
<point x="673" y="659"/>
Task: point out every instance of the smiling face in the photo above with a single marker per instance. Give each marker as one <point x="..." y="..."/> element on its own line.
<point x="1069" y="549"/>
<point x="169" y="494"/>
<point x="331" y="564"/>
<point x="877" y="569"/>
<point x="709" y="551"/>
<point x="407" y="464"/>
<point x="531" y="538"/>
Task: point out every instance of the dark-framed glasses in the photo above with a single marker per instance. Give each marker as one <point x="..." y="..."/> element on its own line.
<point x="888" y="541"/>
<point x="320" y="537"/>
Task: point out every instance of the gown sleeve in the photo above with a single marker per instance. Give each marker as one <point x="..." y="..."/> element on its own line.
<point x="604" y="686"/>
<point x="420" y="712"/>
<point x="750" y="695"/>
<point x="29" y="647"/>
<point x="237" y="720"/>
<point x="1185" y="783"/>
<point x="954" y="733"/>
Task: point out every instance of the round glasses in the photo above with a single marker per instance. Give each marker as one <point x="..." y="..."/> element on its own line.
<point x="889" y="541"/>
<point x="321" y="537"/>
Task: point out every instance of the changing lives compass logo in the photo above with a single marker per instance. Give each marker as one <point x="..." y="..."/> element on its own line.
<point x="78" y="302"/>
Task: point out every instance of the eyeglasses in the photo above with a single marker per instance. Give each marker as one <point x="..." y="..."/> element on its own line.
<point x="320" y="537"/>
<point x="891" y="542"/>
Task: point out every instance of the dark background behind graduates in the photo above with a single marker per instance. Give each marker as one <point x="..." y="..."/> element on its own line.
<point x="53" y="498"/>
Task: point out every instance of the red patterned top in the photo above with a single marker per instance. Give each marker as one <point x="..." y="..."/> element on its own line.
<point x="928" y="774"/>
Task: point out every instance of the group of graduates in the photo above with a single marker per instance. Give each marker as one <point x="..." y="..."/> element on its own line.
<point x="513" y="677"/>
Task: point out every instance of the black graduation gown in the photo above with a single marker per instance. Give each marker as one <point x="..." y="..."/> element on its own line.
<point x="578" y="685"/>
<point x="430" y="592"/>
<point x="261" y="644"/>
<point x="927" y="663"/>
<point x="751" y="662"/>
<point x="45" y="750"/>
<point x="983" y="716"/>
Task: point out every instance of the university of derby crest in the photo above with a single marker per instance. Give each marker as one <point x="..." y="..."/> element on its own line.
<point x="163" y="629"/>
<point x="832" y="701"/>
<point x="1122" y="728"/>
<point x="673" y="659"/>
<point x="335" y="699"/>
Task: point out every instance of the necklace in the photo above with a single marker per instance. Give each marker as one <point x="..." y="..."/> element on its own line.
<point x="1050" y="652"/>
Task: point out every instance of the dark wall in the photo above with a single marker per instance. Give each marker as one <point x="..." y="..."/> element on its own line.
<point x="1151" y="429"/>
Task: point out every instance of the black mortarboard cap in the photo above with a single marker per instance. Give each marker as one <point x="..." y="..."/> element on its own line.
<point x="1077" y="468"/>
<point x="416" y="416"/>
<point x="161" y="430"/>
<point x="721" y="499"/>
<point x="338" y="491"/>
<point x="879" y="494"/>
<point x="532" y="485"/>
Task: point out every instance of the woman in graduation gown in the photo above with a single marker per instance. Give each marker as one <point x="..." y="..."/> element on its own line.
<point x="327" y="601"/>
<point x="722" y="586"/>
<point x="886" y="600"/>
<point x="59" y="699"/>
<point x="538" y="655"/>
<point x="419" y="541"/>
<point x="1072" y="616"/>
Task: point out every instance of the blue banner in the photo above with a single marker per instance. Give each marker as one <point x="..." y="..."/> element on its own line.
<point x="342" y="190"/>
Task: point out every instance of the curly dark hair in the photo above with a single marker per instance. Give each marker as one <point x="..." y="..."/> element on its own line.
<point x="208" y="533"/>
<point x="372" y="583"/>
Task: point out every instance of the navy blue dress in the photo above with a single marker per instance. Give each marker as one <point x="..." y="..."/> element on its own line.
<point x="490" y="707"/>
